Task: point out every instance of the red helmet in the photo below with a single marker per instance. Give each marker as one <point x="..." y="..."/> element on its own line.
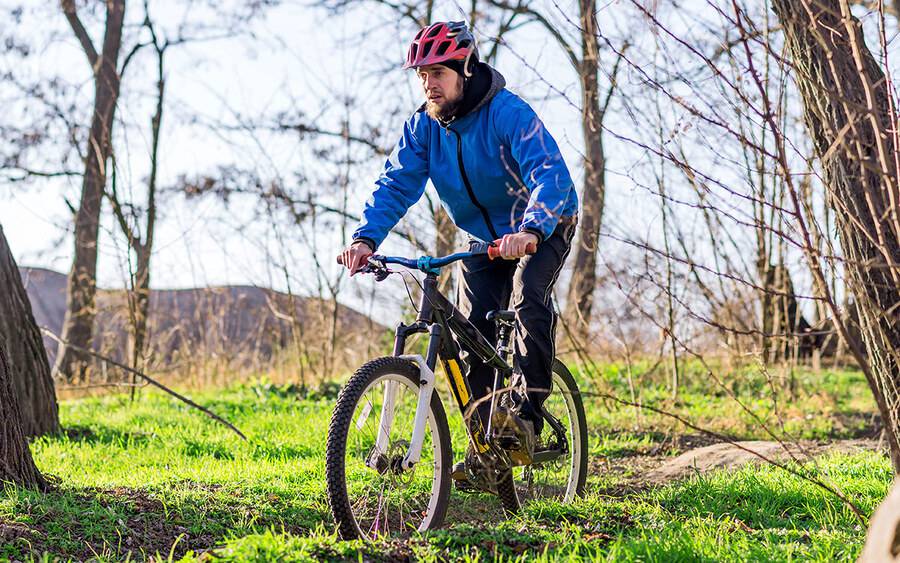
<point x="441" y="42"/>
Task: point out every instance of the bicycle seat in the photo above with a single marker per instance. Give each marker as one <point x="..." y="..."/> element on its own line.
<point x="502" y="316"/>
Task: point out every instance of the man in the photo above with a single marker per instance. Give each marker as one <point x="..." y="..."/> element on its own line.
<point x="500" y="176"/>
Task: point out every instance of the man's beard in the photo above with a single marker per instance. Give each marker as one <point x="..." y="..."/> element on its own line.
<point x="445" y="112"/>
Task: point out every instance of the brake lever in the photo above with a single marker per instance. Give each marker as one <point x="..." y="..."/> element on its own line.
<point x="377" y="268"/>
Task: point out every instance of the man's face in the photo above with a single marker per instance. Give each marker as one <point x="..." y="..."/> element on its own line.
<point x="442" y="86"/>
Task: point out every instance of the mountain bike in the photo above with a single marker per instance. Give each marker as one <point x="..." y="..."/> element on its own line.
<point x="388" y="453"/>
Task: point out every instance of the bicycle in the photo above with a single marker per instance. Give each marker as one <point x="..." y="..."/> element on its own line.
<point x="393" y="477"/>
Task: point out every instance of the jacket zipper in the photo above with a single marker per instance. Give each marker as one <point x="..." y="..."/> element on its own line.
<point x="465" y="178"/>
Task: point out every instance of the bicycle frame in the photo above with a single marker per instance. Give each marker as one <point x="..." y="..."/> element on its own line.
<point x="440" y="318"/>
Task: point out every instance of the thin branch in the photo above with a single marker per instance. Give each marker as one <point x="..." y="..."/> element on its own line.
<point x="81" y="33"/>
<point x="551" y="29"/>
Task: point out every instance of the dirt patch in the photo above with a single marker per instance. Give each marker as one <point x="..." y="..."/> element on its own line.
<point x="700" y="454"/>
<point x="149" y="530"/>
<point x="731" y="456"/>
<point x="629" y="469"/>
<point x="12" y="531"/>
<point x="143" y="528"/>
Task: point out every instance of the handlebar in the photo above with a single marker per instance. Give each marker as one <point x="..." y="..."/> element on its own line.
<point x="429" y="264"/>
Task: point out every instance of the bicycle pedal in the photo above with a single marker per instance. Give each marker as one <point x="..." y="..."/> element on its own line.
<point x="515" y="436"/>
<point x="520" y="456"/>
<point x="461" y="480"/>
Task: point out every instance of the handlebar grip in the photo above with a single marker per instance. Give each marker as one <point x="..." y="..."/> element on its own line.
<point x="494" y="251"/>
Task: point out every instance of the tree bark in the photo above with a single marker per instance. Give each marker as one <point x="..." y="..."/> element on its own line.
<point x="580" y="301"/>
<point x="849" y="113"/>
<point x="81" y="284"/>
<point x="883" y="537"/>
<point x="20" y="337"/>
<point x="16" y="464"/>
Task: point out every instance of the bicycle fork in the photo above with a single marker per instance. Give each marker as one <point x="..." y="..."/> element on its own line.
<point x="460" y="390"/>
<point x="388" y="405"/>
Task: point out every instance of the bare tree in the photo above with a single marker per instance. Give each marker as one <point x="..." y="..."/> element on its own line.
<point x="129" y="222"/>
<point x="19" y="335"/>
<point x="851" y="116"/>
<point x="81" y="286"/>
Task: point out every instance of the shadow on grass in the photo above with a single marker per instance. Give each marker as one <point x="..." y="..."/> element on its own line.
<point x="91" y="523"/>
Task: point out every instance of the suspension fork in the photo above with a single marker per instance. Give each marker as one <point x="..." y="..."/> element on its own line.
<point x="426" y="388"/>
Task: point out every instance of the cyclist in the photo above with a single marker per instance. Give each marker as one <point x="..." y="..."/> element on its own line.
<point x="500" y="176"/>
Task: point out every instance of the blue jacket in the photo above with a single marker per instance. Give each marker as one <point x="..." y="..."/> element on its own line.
<point x="496" y="169"/>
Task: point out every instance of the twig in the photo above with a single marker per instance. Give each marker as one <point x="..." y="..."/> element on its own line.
<point x="148" y="379"/>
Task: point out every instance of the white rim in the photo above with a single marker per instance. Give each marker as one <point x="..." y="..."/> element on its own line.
<point x="574" y="439"/>
<point x="435" y="445"/>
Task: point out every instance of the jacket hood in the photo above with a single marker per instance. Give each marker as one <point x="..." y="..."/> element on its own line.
<point x="480" y="89"/>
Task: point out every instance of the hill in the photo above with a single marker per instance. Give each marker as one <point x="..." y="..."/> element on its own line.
<point x="242" y="324"/>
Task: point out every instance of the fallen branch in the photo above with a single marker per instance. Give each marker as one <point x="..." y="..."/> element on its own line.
<point x="148" y="379"/>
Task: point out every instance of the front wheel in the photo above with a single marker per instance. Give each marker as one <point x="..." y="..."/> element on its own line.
<point x="370" y="494"/>
<point x="562" y="478"/>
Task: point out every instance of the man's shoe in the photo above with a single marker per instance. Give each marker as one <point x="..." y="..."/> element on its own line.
<point x="514" y="434"/>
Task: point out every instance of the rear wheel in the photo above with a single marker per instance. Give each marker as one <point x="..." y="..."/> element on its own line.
<point x="563" y="478"/>
<point x="369" y="492"/>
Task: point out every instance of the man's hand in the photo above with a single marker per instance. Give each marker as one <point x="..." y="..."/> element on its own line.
<point x="355" y="256"/>
<point x="517" y="245"/>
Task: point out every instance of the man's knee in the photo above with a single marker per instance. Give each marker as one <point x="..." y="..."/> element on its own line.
<point x="532" y="307"/>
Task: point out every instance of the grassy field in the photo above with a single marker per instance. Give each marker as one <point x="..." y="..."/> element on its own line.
<point x="154" y="478"/>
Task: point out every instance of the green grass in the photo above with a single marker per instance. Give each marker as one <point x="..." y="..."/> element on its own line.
<point x="154" y="477"/>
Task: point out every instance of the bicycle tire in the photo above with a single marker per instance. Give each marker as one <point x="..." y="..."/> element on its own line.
<point x="511" y="492"/>
<point x="363" y="380"/>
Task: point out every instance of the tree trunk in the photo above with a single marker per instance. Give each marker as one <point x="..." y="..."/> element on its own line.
<point x="144" y="249"/>
<point x="81" y="283"/>
<point x="141" y="306"/>
<point x="16" y="464"/>
<point x="445" y="244"/>
<point x="784" y="327"/>
<point x="580" y="301"/>
<point x="20" y="337"/>
<point x="849" y="113"/>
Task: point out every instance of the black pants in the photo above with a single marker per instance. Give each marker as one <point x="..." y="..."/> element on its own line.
<point x="525" y="285"/>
